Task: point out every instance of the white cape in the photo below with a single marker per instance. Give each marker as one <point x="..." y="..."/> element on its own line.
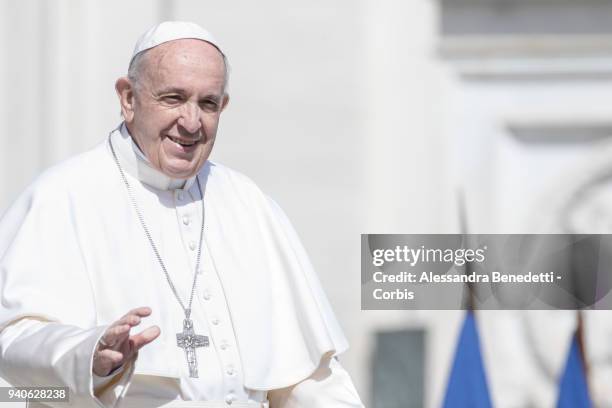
<point x="72" y="251"/>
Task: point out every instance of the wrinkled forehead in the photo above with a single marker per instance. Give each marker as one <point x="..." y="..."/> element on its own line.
<point x="179" y="51"/>
<point x="182" y="43"/>
<point x="186" y="51"/>
<point x="186" y="64"/>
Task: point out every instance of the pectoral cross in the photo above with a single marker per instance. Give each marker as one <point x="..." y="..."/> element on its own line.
<point x="189" y="341"/>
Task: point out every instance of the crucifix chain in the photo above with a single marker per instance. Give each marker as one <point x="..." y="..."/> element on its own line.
<point x="187" y="339"/>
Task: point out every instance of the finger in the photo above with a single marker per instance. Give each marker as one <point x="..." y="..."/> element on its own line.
<point x="130" y="319"/>
<point x="143" y="311"/>
<point x="133" y="316"/>
<point x="119" y="330"/>
<point x="105" y="361"/>
<point x="114" y="335"/>
<point x="145" y="337"/>
<point x="110" y="356"/>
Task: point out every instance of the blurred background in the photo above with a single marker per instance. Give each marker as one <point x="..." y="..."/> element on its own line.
<point x="368" y="117"/>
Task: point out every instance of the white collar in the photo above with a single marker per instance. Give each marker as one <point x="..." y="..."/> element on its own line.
<point x="136" y="164"/>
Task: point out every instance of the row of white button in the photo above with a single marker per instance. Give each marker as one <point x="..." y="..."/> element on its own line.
<point x="186" y="219"/>
<point x="230" y="370"/>
<point x="224" y="345"/>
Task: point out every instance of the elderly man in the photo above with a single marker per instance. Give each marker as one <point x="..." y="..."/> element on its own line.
<point x="145" y="230"/>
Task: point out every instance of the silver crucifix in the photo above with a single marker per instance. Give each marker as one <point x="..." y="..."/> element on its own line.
<point x="189" y="341"/>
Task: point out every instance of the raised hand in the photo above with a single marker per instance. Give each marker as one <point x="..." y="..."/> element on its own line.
<point x="116" y="346"/>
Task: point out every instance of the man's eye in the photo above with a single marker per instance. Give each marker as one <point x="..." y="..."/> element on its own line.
<point x="172" y="99"/>
<point x="209" y="105"/>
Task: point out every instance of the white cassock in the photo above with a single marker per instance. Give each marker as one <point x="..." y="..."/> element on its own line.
<point x="74" y="258"/>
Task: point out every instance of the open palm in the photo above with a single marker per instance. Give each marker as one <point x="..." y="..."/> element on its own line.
<point x="117" y="346"/>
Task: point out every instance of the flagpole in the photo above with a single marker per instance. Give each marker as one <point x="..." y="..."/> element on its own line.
<point x="463" y="226"/>
<point x="467" y="385"/>
<point x="582" y="345"/>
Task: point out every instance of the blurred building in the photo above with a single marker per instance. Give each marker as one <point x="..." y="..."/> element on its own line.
<point x="364" y="117"/>
<point x="531" y="128"/>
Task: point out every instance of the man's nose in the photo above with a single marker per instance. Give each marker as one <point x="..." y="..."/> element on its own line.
<point x="190" y="117"/>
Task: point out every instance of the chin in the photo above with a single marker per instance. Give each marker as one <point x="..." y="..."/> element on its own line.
<point x="179" y="172"/>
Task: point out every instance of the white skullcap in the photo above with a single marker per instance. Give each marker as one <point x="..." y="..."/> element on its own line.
<point x="172" y="30"/>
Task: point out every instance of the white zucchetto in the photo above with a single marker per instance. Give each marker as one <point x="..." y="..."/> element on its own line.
<point x="172" y="30"/>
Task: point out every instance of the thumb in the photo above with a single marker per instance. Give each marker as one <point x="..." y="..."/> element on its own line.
<point x="145" y="337"/>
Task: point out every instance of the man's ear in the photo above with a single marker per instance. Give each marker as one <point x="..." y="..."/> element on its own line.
<point x="125" y="92"/>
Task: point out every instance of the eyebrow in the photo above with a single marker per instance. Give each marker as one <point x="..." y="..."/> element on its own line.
<point x="171" y="90"/>
<point x="182" y="91"/>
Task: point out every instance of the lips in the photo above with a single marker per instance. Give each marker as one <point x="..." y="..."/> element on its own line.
<point x="183" y="142"/>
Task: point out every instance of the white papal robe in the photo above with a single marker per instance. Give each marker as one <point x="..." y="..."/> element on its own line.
<point x="74" y="258"/>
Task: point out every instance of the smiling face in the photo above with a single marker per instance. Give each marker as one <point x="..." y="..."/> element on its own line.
<point x="172" y="111"/>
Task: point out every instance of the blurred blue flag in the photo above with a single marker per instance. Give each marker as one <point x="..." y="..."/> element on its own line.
<point x="467" y="384"/>
<point x="573" y="388"/>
